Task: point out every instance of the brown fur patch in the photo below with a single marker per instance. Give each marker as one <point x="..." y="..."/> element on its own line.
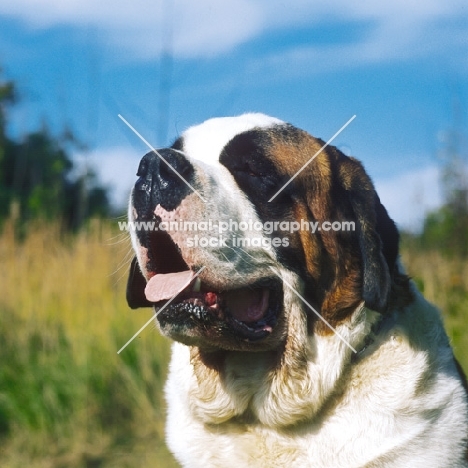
<point x="311" y="245"/>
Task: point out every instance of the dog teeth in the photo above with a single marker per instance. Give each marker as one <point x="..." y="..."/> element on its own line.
<point x="197" y="285"/>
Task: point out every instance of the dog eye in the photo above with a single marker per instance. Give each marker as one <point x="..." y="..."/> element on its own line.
<point x="250" y="171"/>
<point x="262" y="181"/>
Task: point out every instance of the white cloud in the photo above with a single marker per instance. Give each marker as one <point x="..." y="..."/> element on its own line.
<point x="395" y="31"/>
<point x="409" y="196"/>
<point x="208" y="27"/>
<point x="204" y="27"/>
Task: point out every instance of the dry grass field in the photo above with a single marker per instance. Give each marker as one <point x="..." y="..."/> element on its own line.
<point x="67" y="399"/>
<point x="444" y="282"/>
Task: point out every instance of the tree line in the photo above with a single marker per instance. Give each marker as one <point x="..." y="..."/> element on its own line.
<point x="38" y="178"/>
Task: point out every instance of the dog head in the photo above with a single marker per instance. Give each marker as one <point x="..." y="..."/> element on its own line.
<point x="226" y="200"/>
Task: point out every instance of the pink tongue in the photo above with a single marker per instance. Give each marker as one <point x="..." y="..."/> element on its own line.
<point x="164" y="286"/>
<point x="248" y="305"/>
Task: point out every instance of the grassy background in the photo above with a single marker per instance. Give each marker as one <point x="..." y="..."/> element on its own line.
<point x="67" y="399"/>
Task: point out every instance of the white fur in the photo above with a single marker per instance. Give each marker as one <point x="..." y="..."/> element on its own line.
<point x="204" y="142"/>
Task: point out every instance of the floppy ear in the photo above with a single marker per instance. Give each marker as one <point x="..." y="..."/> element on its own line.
<point x="136" y="287"/>
<point x="378" y="241"/>
<point x="358" y="265"/>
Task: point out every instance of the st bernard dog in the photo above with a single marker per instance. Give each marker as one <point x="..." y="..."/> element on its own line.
<point x="292" y="347"/>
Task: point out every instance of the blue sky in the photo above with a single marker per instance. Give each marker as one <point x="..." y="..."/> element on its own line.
<point x="399" y="66"/>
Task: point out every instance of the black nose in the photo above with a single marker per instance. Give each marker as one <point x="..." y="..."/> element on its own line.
<point x="163" y="179"/>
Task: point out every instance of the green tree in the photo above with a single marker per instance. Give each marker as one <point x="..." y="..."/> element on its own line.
<point x="447" y="228"/>
<point x="38" y="178"/>
<point x="7" y="98"/>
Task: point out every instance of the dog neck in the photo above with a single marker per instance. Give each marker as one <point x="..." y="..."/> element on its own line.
<point x="303" y="375"/>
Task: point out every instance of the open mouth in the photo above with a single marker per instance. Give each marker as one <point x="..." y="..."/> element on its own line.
<point x="248" y="313"/>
